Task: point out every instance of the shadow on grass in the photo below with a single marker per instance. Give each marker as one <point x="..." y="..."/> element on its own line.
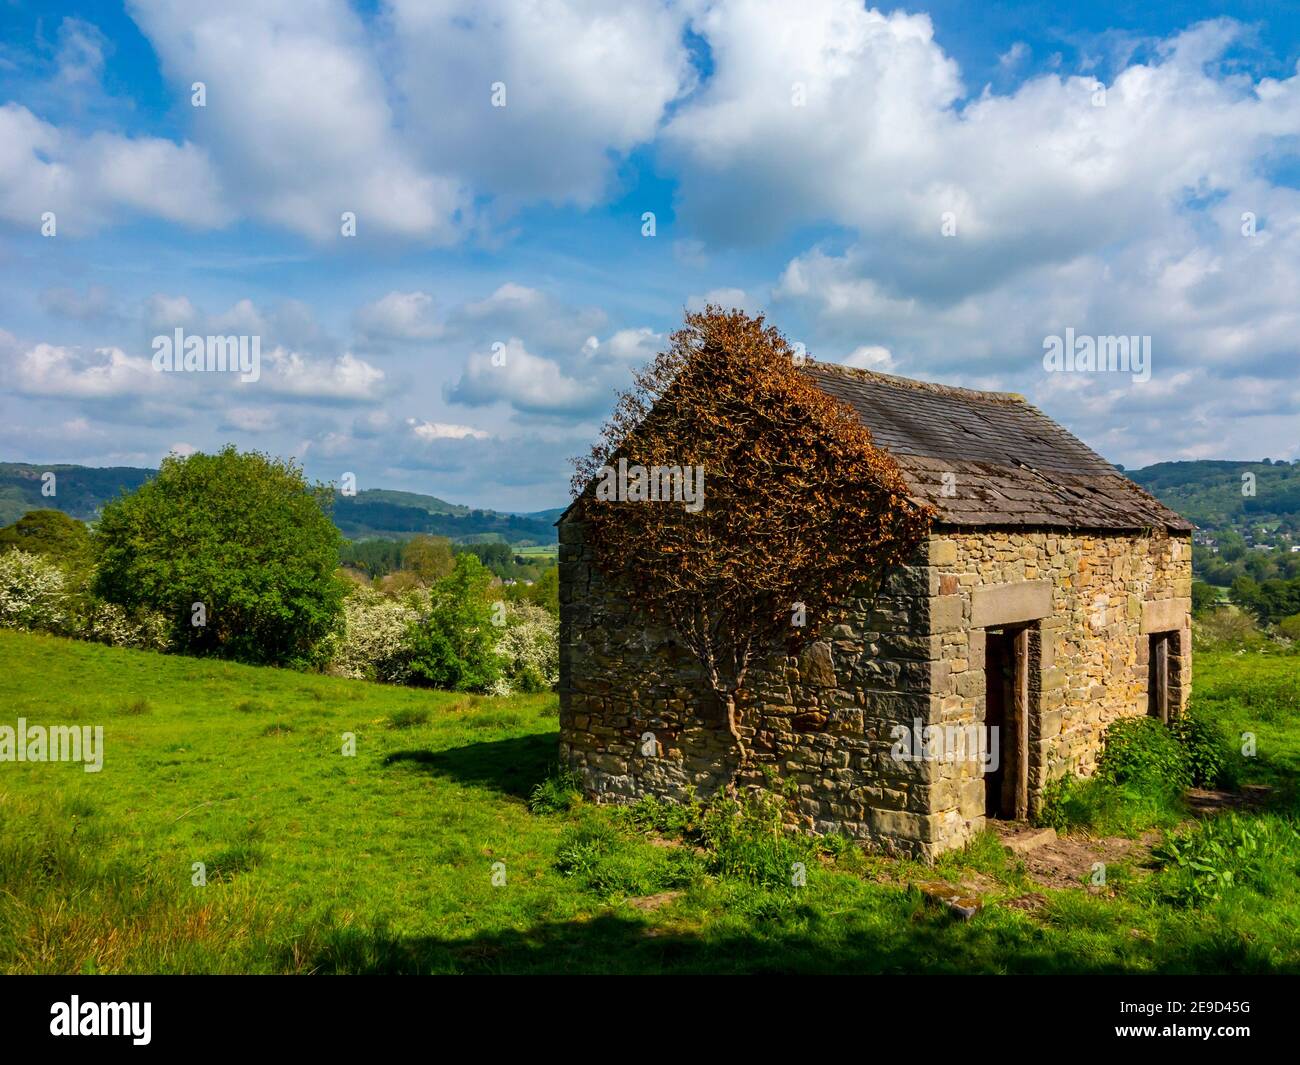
<point x="612" y="943"/>
<point x="511" y="767"/>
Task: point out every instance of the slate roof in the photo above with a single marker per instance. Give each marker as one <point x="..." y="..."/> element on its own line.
<point x="1012" y="464"/>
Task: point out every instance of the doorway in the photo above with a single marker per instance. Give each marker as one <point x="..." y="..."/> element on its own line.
<point x="1160" y="647"/>
<point x="1006" y="716"/>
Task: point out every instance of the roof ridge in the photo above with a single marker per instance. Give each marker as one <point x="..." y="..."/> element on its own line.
<point x="924" y="386"/>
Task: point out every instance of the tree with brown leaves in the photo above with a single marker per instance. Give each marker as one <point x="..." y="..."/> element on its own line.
<point x="731" y="498"/>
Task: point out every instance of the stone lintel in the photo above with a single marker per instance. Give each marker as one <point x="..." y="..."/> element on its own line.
<point x="1165" y="615"/>
<point x="1009" y="604"/>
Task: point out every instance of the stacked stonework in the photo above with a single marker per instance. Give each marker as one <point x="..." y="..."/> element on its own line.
<point x="636" y="718"/>
<point x="1036" y="538"/>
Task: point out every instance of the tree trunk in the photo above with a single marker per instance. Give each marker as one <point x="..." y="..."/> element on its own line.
<point x="728" y="700"/>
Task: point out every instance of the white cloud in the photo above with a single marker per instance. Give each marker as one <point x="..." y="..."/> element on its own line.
<point x="398" y="316"/>
<point x="429" y="431"/>
<point x="529" y="383"/>
<point x="313" y="110"/>
<point x="103" y="179"/>
<point x="252" y="419"/>
<point x="298" y="116"/>
<point x="72" y="373"/>
<point x="635" y="346"/>
<point x="870" y="357"/>
<point x="585" y="82"/>
<point x="1013" y="56"/>
<point x="346" y="379"/>
<point x="885" y="146"/>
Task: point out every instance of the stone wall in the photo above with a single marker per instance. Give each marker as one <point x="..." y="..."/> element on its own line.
<point x="636" y="719"/>
<point x="1088" y="655"/>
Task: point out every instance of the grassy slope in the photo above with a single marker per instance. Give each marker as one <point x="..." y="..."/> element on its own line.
<point x="323" y="863"/>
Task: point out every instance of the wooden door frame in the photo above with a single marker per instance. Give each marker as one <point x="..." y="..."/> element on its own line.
<point x="1014" y="800"/>
<point x="1020" y="704"/>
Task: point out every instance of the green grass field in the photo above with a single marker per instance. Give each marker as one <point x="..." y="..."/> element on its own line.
<point x="384" y="862"/>
<point x="539" y="551"/>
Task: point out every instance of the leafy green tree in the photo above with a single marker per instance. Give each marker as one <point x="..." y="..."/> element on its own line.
<point x="375" y="558"/>
<point x="50" y="533"/>
<point x="455" y="646"/>
<point x="1204" y="597"/>
<point x="429" y="557"/>
<point x="236" y="550"/>
<point x="543" y="592"/>
<point x="1231" y="546"/>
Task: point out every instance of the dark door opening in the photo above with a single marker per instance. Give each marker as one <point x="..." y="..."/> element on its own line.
<point x="1006" y="675"/>
<point x="1158" y="675"/>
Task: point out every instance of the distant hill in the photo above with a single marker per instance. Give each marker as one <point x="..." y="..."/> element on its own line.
<point x="79" y="490"/>
<point x="1209" y="492"/>
<point x="82" y="491"/>
<point x="374" y="513"/>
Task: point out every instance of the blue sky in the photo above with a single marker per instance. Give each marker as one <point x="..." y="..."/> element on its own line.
<point x="931" y="191"/>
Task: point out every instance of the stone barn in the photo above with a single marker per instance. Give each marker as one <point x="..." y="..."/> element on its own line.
<point x="1051" y="597"/>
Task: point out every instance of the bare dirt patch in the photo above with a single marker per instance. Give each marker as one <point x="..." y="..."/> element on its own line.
<point x="650" y="903"/>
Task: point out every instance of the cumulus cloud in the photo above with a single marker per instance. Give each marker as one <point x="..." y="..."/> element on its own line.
<point x="89" y="182"/>
<point x="870" y="357"/>
<point x="584" y="82"/>
<point x="429" y="431"/>
<point x="398" y="316"/>
<point x="313" y="110"/>
<point x="347" y="379"/>
<point x="880" y="142"/>
<point x="511" y="374"/>
<point x="74" y="373"/>
<point x="540" y="358"/>
<point x="298" y="116"/>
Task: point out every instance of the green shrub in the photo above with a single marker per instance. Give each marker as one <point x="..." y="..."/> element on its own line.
<point x="1209" y="754"/>
<point x="560" y="791"/>
<point x="244" y="535"/>
<point x="1202" y="863"/>
<point x="1097" y="804"/>
<point x="100" y="621"/>
<point x="1142" y="753"/>
<point x="747" y="838"/>
<point x="455" y="646"/>
<point x="606" y="860"/>
<point x="652" y="813"/>
<point x="1228" y="630"/>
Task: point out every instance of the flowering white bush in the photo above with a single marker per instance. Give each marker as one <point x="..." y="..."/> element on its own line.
<point x="371" y="646"/>
<point x="530" y="645"/>
<point x="32" y="594"/>
<point x="109" y="623"/>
